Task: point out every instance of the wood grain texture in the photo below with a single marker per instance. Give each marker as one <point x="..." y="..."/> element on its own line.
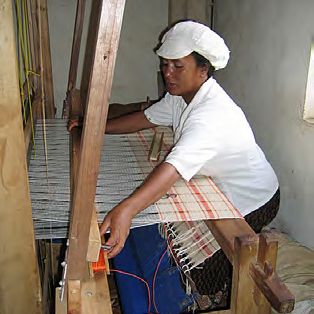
<point x="18" y="264"/>
<point x="95" y="295"/>
<point x="270" y="291"/>
<point x="75" y="52"/>
<point x="94" y="240"/>
<point x="74" y="303"/>
<point x="78" y="28"/>
<point x="60" y="307"/>
<point x="226" y="230"/>
<point x="110" y="21"/>
<point x="46" y="55"/>
<point x="267" y="251"/>
<point x="245" y="253"/>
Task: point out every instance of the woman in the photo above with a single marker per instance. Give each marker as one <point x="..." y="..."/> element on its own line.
<point x="211" y="135"/>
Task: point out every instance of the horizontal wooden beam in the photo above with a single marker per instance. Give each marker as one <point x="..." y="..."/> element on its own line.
<point x="245" y="253"/>
<point x="226" y="230"/>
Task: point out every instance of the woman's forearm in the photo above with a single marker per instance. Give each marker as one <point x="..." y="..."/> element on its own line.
<point x="153" y="188"/>
<point x="128" y="124"/>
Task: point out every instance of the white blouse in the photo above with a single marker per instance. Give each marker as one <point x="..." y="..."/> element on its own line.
<point x="212" y="137"/>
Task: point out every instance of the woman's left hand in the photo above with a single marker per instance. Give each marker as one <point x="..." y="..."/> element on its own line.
<point x="119" y="221"/>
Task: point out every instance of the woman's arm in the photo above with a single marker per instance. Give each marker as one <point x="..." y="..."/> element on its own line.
<point x="119" y="218"/>
<point x="128" y="124"/>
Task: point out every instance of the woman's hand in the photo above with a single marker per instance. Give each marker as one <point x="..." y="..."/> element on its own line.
<point x="74" y="122"/>
<point x="152" y="189"/>
<point x="119" y="221"/>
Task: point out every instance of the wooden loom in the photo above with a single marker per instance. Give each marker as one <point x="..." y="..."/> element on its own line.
<point x="253" y="257"/>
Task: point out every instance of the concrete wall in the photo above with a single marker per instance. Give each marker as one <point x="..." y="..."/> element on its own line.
<point x="136" y="67"/>
<point x="270" y="48"/>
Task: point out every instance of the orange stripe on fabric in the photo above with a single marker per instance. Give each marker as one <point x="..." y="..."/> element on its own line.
<point x="235" y="212"/>
<point x="203" y="202"/>
<point x="197" y="237"/>
<point x="213" y="209"/>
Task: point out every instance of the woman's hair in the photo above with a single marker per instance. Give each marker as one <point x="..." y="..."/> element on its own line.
<point x="203" y="62"/>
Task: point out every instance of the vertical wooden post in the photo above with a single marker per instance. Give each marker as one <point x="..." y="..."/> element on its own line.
<point x="19" y="284"/>
<point x="267" y="252"/>
<point x="242" y="301"/>
<point x="110" y="21"/>
<point x="78" y="28"/>
<point x="46" y="54"/>
<point x="77" y="35"/>
<point x="34" y="38"/>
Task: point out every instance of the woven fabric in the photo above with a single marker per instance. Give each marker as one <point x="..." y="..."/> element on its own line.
<point x="216" y="272"/>
<point x="191" y="243"/>
<point x="198" y="199"/>
<point x="124" y="166"/>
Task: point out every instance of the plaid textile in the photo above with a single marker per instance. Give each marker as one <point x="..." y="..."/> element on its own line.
<point x="190" y="242"/>
<point x="198" y="199"/>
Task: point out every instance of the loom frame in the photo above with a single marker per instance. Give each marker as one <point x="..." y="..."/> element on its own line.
<point x="247" y="252"/>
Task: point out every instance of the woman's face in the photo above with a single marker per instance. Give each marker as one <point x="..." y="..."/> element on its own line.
<point x="183" y="77"/>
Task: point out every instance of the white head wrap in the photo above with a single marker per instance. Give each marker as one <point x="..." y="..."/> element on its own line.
<point x="185" y="37"/>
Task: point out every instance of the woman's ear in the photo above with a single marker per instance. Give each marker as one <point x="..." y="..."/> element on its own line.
<point x="204" y="71"/>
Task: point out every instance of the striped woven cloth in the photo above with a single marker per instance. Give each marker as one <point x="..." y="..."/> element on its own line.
<point x="198" y="199"/>
<point x="124" y="166"/>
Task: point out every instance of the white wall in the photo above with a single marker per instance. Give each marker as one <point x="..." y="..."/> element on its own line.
<point x="270" y="48"/>
<point x="136" y="66"/>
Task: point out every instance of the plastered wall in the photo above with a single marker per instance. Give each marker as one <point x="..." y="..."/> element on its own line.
<point x="135" y="75"/>
<point x="270" y="48"/>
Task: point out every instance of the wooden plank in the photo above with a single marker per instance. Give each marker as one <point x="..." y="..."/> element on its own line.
<point x="155" y="147"/>
<point x="32" y="29"/>
<point x="28" y="129"/>
<point x="95" y="295"/>
<point x="110" y="21"/>
<point x="269" y="290"/>
<point x="272" y="288"/>
<point x="34" y="40"/>
<point x="74" y="303"/>
<point x="75" y="111"/>
<point x="60" y="306"/>
<point x="267" y="251"/>
<point x="226" y="230"/>
<point x="79" y="19"/>
<point x="18" y="264"/>
<point x="242" y="301"/>
<point x="78" y="28"/>
<point x="94" y="240"/>
<point x="46" y="55"/>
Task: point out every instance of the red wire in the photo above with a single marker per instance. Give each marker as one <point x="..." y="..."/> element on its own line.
<point x="154" y="279"/>
<point x="139" y="278"/>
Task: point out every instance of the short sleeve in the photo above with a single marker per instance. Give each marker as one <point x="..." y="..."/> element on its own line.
<point x="196" y="146"/>
<point x="160" y="113"/>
